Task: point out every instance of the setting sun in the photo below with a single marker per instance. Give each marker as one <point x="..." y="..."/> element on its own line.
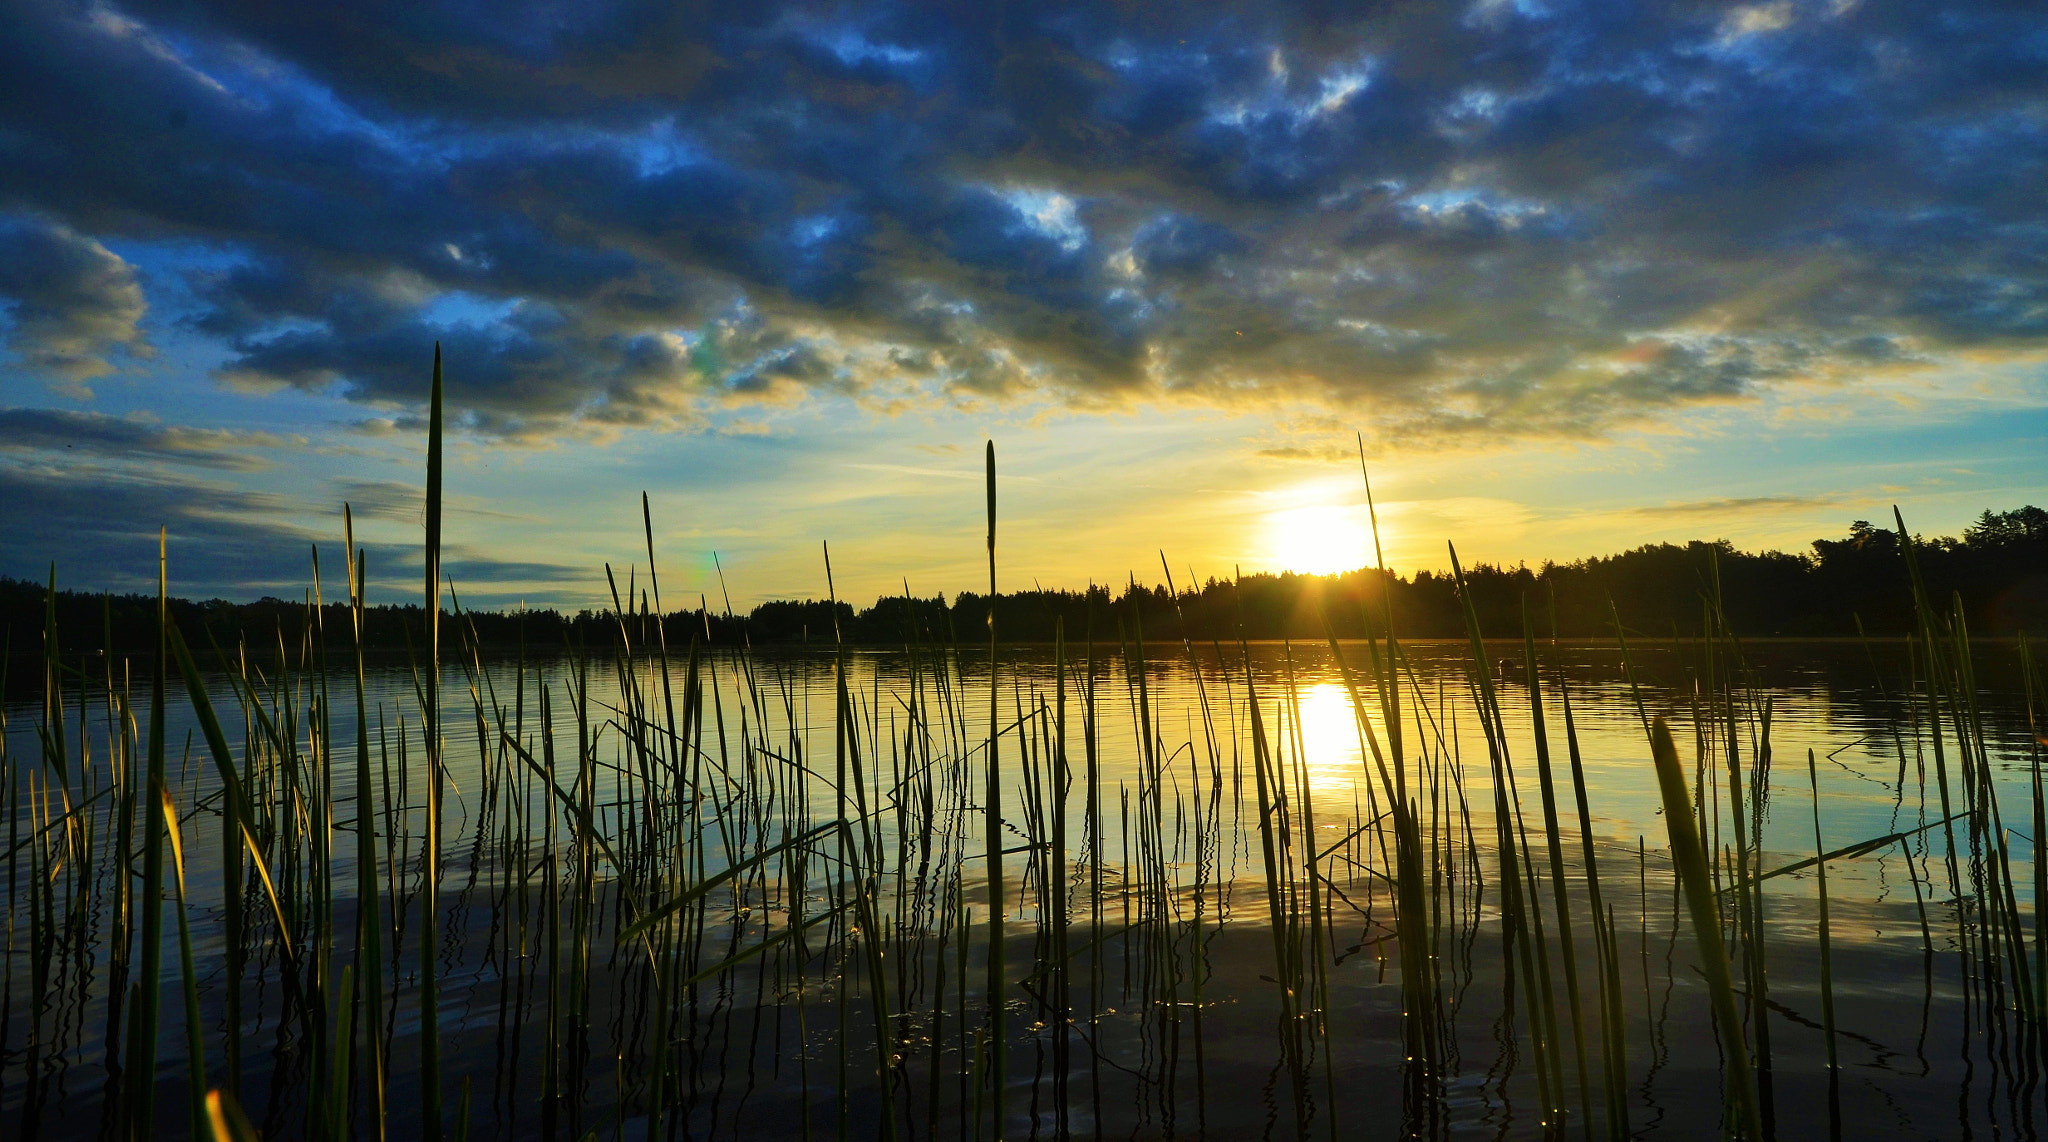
<point x="1318" y="540"/>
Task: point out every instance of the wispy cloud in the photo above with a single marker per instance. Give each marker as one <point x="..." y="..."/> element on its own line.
<point x="393" y="500"/>
<point x="92" y="434"/>
<point x="962" y="473"/>
<point x="99" y="525"/>
<point x="1739" y="506"/>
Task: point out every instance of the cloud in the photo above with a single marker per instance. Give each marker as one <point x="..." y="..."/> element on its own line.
<point x="1736" y="506"/>
<point x="1442" y="221"/>
<point x="1320" y="455"/>
<point x="99" y="525"/>
<point x="102" y="523"/>
<point x="75" y="434"/>
<point x="402" y="502"/>
<point x="383" y="499"/>
<point x="70" y="302"/>
<point x="499" y="571"/>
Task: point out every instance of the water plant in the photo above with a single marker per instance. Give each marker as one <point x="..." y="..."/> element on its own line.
<point x="619" y="887"/>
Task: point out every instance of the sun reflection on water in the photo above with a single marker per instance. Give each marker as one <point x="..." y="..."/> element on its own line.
<point x="1328" y="736"/>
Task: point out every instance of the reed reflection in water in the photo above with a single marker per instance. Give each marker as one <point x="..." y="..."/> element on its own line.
<point x="651" y="915"/>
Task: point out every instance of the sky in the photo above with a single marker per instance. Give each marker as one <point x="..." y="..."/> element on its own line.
<point x="1573" y="277"/>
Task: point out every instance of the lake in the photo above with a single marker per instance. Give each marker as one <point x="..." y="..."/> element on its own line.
<point x="1158" y="980"/>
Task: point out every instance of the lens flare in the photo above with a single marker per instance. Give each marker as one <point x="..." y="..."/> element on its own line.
<point x="1318" y="540"/>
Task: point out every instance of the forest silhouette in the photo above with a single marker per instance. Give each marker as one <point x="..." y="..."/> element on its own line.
<point x="1998" y="569"/>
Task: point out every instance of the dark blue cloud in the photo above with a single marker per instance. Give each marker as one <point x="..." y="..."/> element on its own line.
<point x="66" y="300"/>
<point x="79" y="436"/>
<point x="1180" y="246"/>
<point x="1440" y="213"/>
<point x="98" y="522"/>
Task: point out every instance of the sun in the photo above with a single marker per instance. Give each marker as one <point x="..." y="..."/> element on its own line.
<point x="1318" y="540"/>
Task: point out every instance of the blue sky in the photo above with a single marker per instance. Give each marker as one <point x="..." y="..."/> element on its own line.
<point x="1583" y="276"/>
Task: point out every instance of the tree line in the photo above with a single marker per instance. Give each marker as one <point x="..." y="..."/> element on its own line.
<point x="1998" y="569"/>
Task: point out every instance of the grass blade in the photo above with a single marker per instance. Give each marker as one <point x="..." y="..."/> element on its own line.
<point x="1696" y="879"/>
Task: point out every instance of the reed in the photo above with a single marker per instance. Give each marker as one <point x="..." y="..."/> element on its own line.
<point x="225" y="1120"/>
<point x="1561" y="893"/>
<point x="1827" y="960"/>
<point x="369" y="954"/>
<point x="992" y="829"/>
<point x="188" y="972"/>
<point x="141" y="1069"/>
<point x="1695" y="879"/>
<point x="630" y="889"/>
<point x="430" y="730"/>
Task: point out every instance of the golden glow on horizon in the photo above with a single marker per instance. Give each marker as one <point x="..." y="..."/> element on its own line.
<point x="1318" y="540"/>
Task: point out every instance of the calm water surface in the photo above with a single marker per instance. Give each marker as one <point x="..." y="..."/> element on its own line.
<point x="1924" y="1054"/>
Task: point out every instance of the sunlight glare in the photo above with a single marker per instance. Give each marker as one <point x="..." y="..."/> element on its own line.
<point x="1319" y="540"/>
<point x="1328" y="736"/>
